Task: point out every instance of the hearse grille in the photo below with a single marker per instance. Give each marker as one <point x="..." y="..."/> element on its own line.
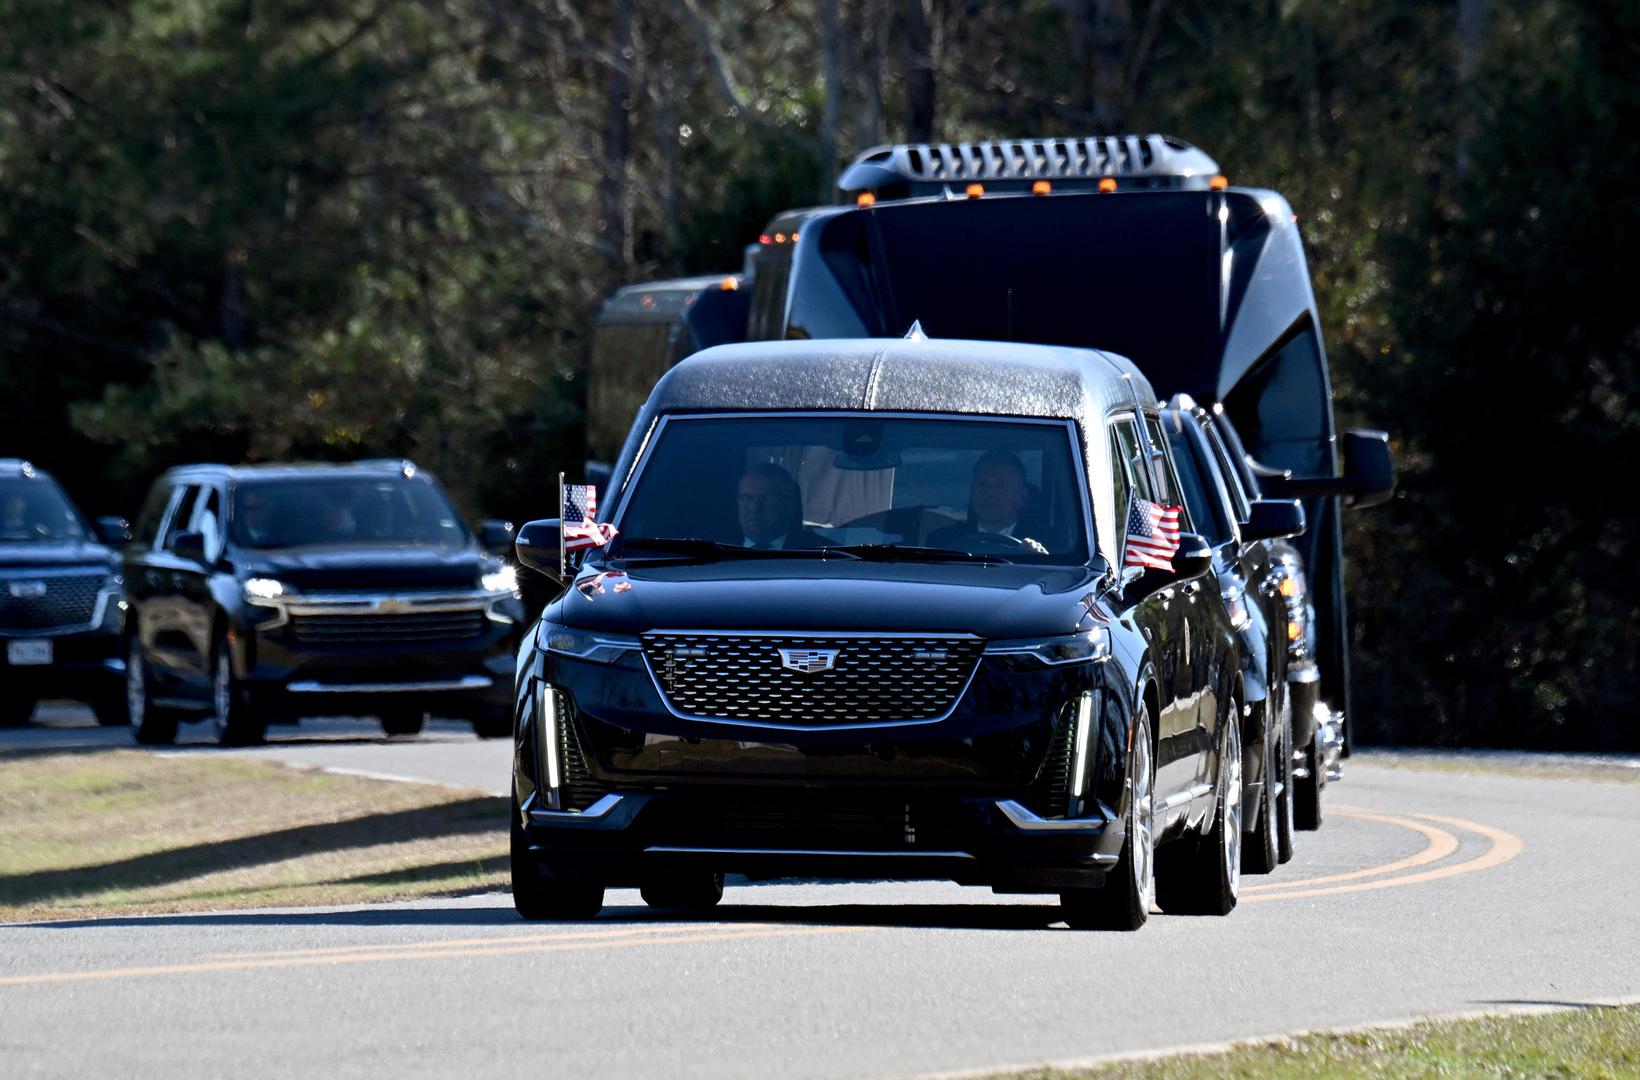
<point x="810" y="681"/>
<point x="380" y="629"/>
<point x="45" y="603"/>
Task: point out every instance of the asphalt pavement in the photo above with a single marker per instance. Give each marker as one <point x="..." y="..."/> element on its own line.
<point x="1426" y="892"/>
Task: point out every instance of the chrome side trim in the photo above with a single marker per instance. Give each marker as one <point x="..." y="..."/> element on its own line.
<point x="599" y="809"/>
<point x="670" y="850"/>
<point x="466" y="682"/>
<point x="1179" y="798"/>
<point x="379" y="603"/>
<point x="1026" y="821"/>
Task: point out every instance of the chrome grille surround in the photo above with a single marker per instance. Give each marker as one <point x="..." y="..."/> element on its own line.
<point x="72" y="600"/>
<point x="878" y="679"/>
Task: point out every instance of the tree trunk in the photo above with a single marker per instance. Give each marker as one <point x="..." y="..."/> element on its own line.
<point x="1472" y="20"/>
<point x="831" y="113"/>
<point x="919" y="73"/>
<point x="613" y="209"/>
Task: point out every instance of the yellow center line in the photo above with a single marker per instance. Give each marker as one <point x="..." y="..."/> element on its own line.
<point x="637" y="930"/>
<point x="411" y="953"/>
<point x="1440" y="844"/>
<point x="1503" y="847"/>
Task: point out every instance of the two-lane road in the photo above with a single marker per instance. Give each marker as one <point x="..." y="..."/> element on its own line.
<point x="1426" y="892"/>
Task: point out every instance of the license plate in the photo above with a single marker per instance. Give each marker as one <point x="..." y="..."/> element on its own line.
<point x="22" y="653"/>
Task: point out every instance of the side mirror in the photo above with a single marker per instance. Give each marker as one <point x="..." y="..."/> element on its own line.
<point x="1368" y="469"/>
<point x="537" y="546"/>
<point x="189" y="545"/>
<point x="495" y="536"/>
<point x="1193" y="559"/>
<point x="1273" y="519"/>
<point x="1369" y="474"/>
<point x="114" y="531"/>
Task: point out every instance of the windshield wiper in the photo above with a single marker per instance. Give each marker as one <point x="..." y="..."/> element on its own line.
<point x="696" y="548"/>
<point x="904" y="553"/>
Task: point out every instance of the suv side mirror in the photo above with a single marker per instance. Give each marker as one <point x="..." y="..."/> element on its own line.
<point x="1193" y="559"/>
<point x="189" y="545"/>
<point x="537" y="546"/>
<point x="1273" y="519"/>
<point x="113" y="531"/>
<point x="495" y="536"/>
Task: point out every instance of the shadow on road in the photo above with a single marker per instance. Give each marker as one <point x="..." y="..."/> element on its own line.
<point x="467" y="817"/>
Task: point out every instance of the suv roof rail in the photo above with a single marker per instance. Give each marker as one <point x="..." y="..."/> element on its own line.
<point x="403" y="465"/>
<point x="915" y="168"/>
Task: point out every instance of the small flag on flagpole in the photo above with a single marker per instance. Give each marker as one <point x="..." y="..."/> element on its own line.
<point x="1152" y="535"/>
<point x="578" y="529"/>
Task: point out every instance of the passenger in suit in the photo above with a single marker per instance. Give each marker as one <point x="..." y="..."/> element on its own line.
<point x="998" y="496"/>
<point x="770" y="509"/>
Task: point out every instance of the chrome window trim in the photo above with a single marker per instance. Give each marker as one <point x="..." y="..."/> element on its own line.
<point x="666" y="698"/>
<point x="1079" y="463"/>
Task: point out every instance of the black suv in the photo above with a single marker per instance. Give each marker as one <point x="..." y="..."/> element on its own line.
<point x="877" y="609"/>
<point x="59" y="600"/>
<point x="296" y="590"/>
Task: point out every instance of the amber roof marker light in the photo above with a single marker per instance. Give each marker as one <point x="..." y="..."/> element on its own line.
<point x="730" y="284"/>
<point x="1041" y="187"/>
<point x="1107" y="184"/>
<point x="865" y="198"/>
<point x="1219" y="183"/>
<point x="976" y="190"/>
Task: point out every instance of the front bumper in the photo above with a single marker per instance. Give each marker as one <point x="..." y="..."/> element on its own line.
<point x="83" y="665"/>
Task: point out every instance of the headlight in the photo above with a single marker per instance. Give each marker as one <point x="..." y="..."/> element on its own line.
<point x="504" y="580"/>
<point x="1235" y="602"/>
<point x="585" y="645"/>
<point x="261" y="588"/>
<point x="1088" y="646"/>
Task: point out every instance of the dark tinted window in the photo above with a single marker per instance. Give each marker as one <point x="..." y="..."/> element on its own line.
<point x="303" y="512"/>
<point x="153" y="510"/>
<point x="1232" y="481"/>
<point x="34" y="508"/>
<point x="182" y="516"/>
<point x="800" y="482"/>
<point x="1202" y="494"/>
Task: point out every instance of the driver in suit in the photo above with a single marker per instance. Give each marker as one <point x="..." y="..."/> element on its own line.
<point x="769" y="506"/>
<point x="997" y="495"/>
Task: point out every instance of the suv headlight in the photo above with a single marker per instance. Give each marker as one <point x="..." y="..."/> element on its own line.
<point x="1085" y="647"/>
<point x="261" y="588"/>
<point x="504" y="580"/>
<point x="586" y="645"/>
<point x="1235" y="602"/>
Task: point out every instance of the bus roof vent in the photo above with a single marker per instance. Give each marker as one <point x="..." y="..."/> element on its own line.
<point x="911" y="169"/>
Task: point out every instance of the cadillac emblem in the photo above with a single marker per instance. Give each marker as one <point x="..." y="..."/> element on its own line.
<point x="809" y="661"/>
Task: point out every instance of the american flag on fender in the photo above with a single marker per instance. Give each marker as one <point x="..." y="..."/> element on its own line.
<point x="579" y="530"/>
<point x="1152" y="535"/>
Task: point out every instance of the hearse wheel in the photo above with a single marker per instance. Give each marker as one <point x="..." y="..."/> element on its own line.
<point x="1204" y="877"/>
<point x="1123" y="903"/>
<point x="689" y="890"/>
<point x="538" y="897"/>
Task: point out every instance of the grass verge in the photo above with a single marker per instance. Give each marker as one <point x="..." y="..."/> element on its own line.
<point x="130" y="832"/>
<point x="1595" y="1042"/>
<point x="1609" y="770"/>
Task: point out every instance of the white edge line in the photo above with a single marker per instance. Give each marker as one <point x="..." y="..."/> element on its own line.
<point x="1285" y="1038"/>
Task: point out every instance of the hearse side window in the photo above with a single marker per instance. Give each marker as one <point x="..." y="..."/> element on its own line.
<point x="181" y="515"/>
<point x="153" y="510"/>
<point x="1201" y="491"/>
<point x="864" y="479"/>
<point x="1237" y="496"/>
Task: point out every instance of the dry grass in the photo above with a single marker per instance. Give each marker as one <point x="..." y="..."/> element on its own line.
<point x="90" y="834"/>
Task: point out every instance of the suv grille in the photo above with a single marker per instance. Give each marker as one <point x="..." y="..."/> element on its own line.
<point x="68" y="601"/>
<point x="383" y="629"/>
<point x="872" y="680"/>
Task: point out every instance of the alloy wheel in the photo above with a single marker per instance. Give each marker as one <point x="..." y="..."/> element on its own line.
<point x="1144" y="836"/>
<point x="1231" y="767"/>
<point x="222" y="694"/>
<point x="136" y="694"/>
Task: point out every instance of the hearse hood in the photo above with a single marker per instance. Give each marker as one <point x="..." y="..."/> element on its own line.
<point x="996" y="602"/>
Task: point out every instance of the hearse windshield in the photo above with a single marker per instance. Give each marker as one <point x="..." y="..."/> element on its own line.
<point x="869" y="484"/>
<point x="35" y="510"/>
<point x="345" y="511"/>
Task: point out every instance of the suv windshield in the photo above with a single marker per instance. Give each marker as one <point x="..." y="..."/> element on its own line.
<point x="890" y="484"/>
<point x="355" y="510"/>
<point x="35" y="509"/>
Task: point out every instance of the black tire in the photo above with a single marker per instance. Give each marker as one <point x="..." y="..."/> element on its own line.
<point x="1284" y="776"/>
<point x="1307" y="812"/>
<point x="685" y="890"/>
<point x="15" y="711"/>
<point x="1204" y="877"/>
<point x="403" y="721"/>
<point x="1123" y="902"/>
<point x="1259" y="854"/>
<point x="494" y="725"/>
<point x="151" y="725"/>
<point x="537" y="897"/>
<point x="110" y="708"/>
<point x="234" y="716"/>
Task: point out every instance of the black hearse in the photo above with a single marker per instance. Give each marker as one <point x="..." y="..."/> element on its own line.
<point x="281" y="591"/>
<point x="60" y="610"/>
<point x="867" y="615"/>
